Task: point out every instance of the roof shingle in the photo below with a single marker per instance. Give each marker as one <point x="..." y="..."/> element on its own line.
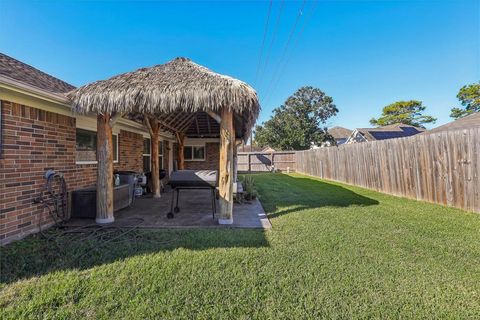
<point x="389" y="132"/>
<point x="467" y="122"/>
<point x="339" y="132"/>
<point x="22" y="72"/>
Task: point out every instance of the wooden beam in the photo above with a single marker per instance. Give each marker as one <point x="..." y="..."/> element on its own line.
<point x="176" y="117"/>
<point x="115" y="118"/>
<point x="208" y="125"/>
<point x="154" y="129"/>
<point x="215" y="116"/>
<point x="196" y="122"/>
<point x="225" y="184"/>
<point x="180" y="156"/>
<point x="146" y="121"/>
<point x="206" y="135"/>
<point x="173" y="129"/>
<point x="186" y="122"/>
<point x="104" y="170"/>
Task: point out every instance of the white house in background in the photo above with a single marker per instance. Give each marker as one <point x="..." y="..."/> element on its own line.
<point x="392" y="131"/>
<point x="340" y="134"/>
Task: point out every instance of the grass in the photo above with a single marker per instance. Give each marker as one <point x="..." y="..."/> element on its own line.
<point x="335" y="251"/>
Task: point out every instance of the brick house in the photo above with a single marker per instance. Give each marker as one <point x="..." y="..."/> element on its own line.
<point x="39" y="131"/>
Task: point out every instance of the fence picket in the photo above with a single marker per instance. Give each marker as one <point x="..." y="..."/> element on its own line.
<point x="441" y="167"/>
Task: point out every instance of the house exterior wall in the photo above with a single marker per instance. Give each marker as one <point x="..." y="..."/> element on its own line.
<point x="34" y="141"/>
<point x="212" y="157"/>
<point x="355" y="137"/>
<point x="130" y="150"/>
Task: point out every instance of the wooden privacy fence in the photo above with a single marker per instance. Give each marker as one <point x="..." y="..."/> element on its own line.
<point x="266" y="161"/>
<point x="440" y="167"/>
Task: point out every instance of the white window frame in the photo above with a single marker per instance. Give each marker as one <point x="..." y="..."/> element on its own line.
<point x="161" y="152"/>
<point x="116" y="155"/>
<point x="149" y="155"/>
<point x="197" y="146"/>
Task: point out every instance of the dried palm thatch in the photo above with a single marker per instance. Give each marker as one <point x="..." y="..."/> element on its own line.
<point x="179" y="85"/>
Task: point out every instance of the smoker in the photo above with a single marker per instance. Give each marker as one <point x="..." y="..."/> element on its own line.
<point x="191" y="179"/>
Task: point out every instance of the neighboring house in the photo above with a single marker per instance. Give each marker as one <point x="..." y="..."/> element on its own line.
<point x="39" y="131"/>
<point x="467" y="122"/>
<point x="383" y="133"/>
<point x="340" y="134"/>
<point x="248" y="148"/>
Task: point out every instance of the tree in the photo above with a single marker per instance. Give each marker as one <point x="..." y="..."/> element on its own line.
<point x="296" y="125"/>
<point x="469" y="97"/>
<point x="406" y="112"/>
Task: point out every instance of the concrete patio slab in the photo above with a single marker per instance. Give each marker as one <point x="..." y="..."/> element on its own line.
<point x="195" y="212"/>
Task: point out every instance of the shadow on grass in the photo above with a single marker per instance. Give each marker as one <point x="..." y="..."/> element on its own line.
<point x="59" y="249"/>
<point x="296" y="193"/>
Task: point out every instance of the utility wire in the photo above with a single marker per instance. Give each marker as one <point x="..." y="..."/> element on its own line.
<point x="263" y="41"/>
<point x="287" y="60"/>
<point x="272" y="41"/>
<point x="285" y="49"/>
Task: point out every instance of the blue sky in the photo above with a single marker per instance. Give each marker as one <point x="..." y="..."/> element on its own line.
<point x="365" y="54"/>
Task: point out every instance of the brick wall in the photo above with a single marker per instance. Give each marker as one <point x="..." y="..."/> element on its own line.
<point x="130" y="150"/>
<point x="33" y="142"/>
<point x="212" y="158"/>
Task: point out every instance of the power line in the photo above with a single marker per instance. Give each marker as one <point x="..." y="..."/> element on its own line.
<point x="263" y="40"/>
<point x="307" y="20"/>
<point x="282" y="57"/>
<point x="272" y="41"/>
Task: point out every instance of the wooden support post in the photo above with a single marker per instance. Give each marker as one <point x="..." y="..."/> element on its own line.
<point x="235" y="164"/>
<point x="104" y="170"/>
<point x="180" y="156"/>
<point x="154" y="128"/>
<point x="225" y="184"/>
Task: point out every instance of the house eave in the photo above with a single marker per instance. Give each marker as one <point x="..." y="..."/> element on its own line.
<point x="20" y="92"/>
<point x="22" y="87"/>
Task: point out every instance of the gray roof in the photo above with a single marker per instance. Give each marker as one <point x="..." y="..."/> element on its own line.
<point x="340" y="132"/>
<point x="22" y="72"/>
<point x="390" y="132"/>
<point x="467" y="122"/>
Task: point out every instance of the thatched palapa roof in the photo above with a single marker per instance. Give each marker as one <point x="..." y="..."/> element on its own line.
<point x="176" y="86"/>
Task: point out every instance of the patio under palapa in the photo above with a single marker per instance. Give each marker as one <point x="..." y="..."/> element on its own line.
<point x="169" y="97"/>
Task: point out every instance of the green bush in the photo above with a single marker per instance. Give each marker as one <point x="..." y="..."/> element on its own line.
<point x="249" y="190"/>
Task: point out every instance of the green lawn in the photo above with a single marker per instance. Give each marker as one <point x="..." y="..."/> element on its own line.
<point x="335" y="251"/>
